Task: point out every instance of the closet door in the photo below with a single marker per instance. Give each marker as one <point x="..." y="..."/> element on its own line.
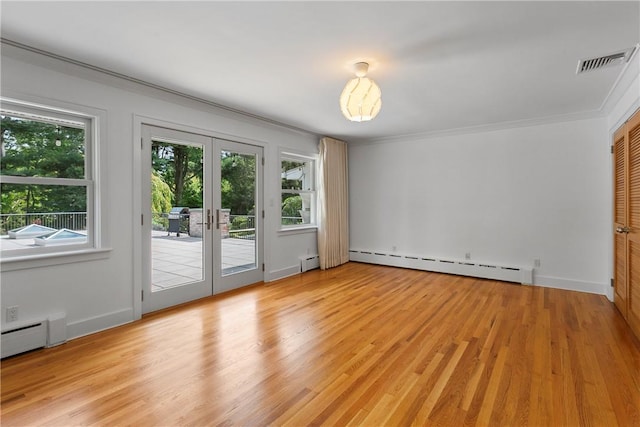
<point x="626" y="150"/>
<point x="620" y="221"/>
<point x="633" y="231"/>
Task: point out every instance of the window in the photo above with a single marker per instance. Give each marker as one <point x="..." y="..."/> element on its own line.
<point x="298" y="190"/>
<point x="46" y="181"/>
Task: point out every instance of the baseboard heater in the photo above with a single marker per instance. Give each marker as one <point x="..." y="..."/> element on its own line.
<point x="486" y="270"/>
<point x="309" y="262"/>
<point x="33" y="335"/>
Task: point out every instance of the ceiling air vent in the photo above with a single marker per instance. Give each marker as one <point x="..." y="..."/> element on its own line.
<point x="611" y="60"/>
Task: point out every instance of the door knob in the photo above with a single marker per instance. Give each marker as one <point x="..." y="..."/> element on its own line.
<point x="625" y="230"/>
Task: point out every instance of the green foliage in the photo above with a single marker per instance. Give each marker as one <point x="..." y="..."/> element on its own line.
<point x="180" y="167"/>
<point x="32" y="148"/>
<point x="291" y="206"/>
<point x="238" y="183"/>
<point x="239" y="223"/>
<point x="12" y="201"/>
<point x="192" y="193"/>
<point x="41" y="149"/>
<point x="160" y="195"/>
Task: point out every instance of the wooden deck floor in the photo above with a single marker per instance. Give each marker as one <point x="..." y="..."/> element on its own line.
<point x="358" y="344"/>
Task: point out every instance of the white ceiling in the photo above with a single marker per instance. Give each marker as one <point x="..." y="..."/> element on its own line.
<point x="440" y="65"/>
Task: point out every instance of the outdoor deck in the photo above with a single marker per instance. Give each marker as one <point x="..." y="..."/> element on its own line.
<point x="178" y="260"/>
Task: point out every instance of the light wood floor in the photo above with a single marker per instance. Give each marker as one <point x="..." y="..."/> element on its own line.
<point x="358" y="344"/>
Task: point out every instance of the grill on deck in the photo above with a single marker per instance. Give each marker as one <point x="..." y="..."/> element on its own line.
<point x="178" y="221"/>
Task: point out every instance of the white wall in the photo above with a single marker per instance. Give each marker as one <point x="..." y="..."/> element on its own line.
<point x="506" y="196"/>
<point x="102" y="293"/>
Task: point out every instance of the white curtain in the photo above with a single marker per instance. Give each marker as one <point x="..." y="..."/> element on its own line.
<point x="333" y="203"/>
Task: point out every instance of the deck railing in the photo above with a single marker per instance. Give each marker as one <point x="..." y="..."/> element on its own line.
<point x="240" y="226"/>
<point x="76" y="221"/>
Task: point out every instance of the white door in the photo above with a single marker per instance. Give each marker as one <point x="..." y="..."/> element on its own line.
<point x="175" y="256"/>
<point x="238" y="215"/>
<point x="201" y="234"/>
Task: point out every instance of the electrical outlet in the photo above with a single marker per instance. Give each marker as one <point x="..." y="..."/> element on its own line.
<point x="536" y="262"/>
<point x="12" y="313"/>
<point x="467" y="255"/>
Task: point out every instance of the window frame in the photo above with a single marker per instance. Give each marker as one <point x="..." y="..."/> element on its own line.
<point x="95" y="228"/>
<point x="290" y="155"/>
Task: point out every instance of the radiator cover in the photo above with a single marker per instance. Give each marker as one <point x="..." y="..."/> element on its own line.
<point x="309" y="262"/>
<point x="487" y="270"/>
<point x="24" y="338"/>
<point x="19" y="337"/>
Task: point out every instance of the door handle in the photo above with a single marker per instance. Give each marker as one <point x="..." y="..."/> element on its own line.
<point x="208" y="220"/>
<point x="625" y="230"/>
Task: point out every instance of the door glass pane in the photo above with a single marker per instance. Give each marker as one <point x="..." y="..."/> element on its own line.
<point x="237" y="221"/>
<point x="176" y="208"/>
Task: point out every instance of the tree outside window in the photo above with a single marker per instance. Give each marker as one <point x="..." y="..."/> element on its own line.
<point x="298" y="195"/>
<point x="45" y="179"/>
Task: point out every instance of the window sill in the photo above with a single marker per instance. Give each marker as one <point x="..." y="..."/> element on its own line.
<point x="50" y="259"/>
<point x="298" y="230"/>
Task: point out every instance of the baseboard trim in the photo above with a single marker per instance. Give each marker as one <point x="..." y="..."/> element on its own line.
<point x="282" y="273"/>
<point x="95" y="324"/>
<point x="570" y="285"/>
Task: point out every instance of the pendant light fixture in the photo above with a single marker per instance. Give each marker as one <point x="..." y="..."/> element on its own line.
<point x="361" y="98"/>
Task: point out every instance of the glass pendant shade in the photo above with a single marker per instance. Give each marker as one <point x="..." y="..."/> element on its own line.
<point x="361" y="99"/>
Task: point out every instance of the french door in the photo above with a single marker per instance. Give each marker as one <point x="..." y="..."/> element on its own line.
<point x="626" y="221"/>
<point x="238" y="215"/>
<point x="202" y="216"/>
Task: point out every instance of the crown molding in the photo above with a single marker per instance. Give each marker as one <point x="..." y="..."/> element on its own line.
<point x="491" y="127"/>
<point x="625" y="79"/>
